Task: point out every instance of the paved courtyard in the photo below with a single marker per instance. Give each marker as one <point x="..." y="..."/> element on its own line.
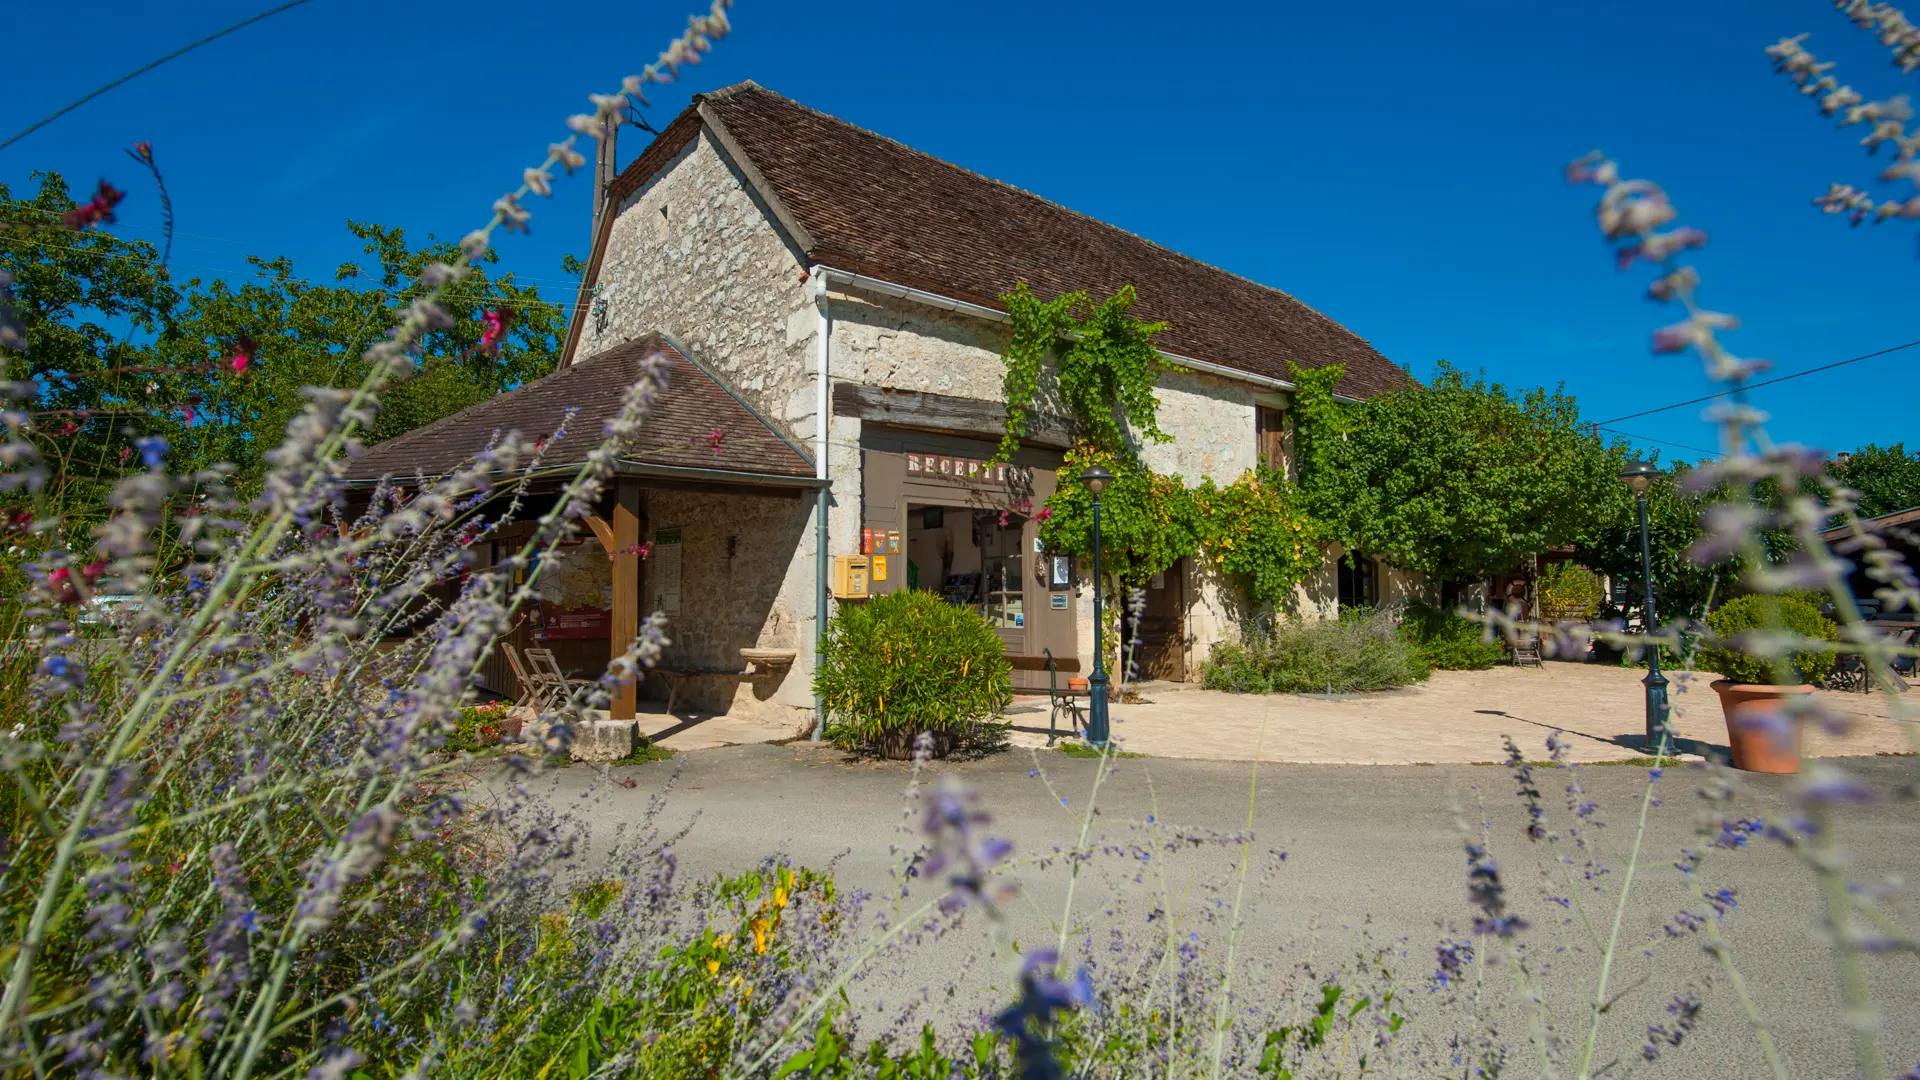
<point x="1458" y="717"/>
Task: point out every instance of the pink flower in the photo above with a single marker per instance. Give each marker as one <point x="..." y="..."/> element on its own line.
<point x="1003" y="519"/>
<point x="1045" y="513"/>
<point x="714" y="439"/>
<point x="497" y="320"/>
<point x="242" y="357"/>
<point x="97" y="212"/>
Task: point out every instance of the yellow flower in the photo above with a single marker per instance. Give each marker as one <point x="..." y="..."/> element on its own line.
<point x="713" y="967"/>
<point x="779" y="896"/>
<point x="760" y="927"/>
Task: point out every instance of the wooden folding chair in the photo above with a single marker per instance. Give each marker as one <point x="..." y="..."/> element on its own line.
<point x="533" y="685"/>
<point x="1524" y="651"/>
<point x="548" y="671"/>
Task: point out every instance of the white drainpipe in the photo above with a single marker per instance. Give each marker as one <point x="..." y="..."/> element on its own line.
<point x="822" y="427"/>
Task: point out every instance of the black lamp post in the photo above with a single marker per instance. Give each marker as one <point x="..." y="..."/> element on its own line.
<point x="1639" y="476"/>
<point x="1096" y="479"/>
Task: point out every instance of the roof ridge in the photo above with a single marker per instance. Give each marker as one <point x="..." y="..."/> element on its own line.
<point x="747" y="85"/>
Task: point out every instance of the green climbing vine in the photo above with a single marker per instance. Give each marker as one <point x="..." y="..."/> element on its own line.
<point x="1106" y="371"/>
<point x="1257" y="535"/>
<point x="1106" y="367"/>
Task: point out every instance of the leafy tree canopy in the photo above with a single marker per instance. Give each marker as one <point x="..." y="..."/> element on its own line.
<point x="121" y="349"/>
<point x="1459" y="479"/>
<point x="1681" y="587"/>
<point x="1887" y="478"/>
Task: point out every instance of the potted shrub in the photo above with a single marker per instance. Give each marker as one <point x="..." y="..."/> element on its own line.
<point x="909" y="662"/>
<point x="1754" y="703"/>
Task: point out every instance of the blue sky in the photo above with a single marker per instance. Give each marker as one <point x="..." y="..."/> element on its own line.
<point x="1394" y="164"/>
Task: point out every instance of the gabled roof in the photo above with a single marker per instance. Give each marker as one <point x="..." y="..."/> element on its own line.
<point x="1898" y="519"/>
<point x="860" y="202"/>
<point x="676" y="438"/>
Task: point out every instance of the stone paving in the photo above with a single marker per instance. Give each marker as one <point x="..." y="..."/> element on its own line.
<point x="1457" y="717"/>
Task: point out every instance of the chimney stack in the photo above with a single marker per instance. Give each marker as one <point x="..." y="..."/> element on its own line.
<point x="603" y="172"/>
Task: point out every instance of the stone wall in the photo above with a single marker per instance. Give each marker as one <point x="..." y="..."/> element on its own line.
<point x="1211" y="421"/>
<point x="739" y="589"/>
<point x="692" y="255"/>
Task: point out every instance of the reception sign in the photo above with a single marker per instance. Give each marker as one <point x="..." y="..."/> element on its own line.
<point x="962" y="470"/>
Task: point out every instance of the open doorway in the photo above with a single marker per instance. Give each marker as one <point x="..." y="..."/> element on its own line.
<point x="973" y="558"/>
<point x="1159" y="631"/>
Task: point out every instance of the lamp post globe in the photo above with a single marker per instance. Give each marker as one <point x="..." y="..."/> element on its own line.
<point x="1095" y="480"/>
<point x="1639" y="475"/>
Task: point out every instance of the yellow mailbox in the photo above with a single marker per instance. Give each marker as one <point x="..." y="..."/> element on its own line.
<point x="850" y="575"/>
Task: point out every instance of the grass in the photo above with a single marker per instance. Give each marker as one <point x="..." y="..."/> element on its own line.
<point x="1082" y="750"/>
<point x="644" y="750"/>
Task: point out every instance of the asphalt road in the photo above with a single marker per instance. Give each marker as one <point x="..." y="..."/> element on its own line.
<point x="1373" y="859"/>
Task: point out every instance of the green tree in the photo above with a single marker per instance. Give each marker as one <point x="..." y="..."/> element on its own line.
<point x="1887" y="478"/>
<point x="120" y="349"/>
<point x="1681" y="586"/>
<point x="91" y="305"/>
<point x="1459" y="479"/>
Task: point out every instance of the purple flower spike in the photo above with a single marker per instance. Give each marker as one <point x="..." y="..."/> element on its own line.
<point x="1825" y="784"/>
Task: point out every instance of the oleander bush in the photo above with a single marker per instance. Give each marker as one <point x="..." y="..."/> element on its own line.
<point x="1359" y="651"/>
<point x="1569" y="591"/>
<point x="908" y="662"/>
<point x="1740" y="623"/>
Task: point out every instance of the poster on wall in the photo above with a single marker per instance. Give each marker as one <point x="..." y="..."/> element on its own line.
<point x="664" y="569"/>
<point x="576" y="594"/>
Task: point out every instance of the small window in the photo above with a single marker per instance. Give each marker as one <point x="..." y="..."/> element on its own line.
<point x="1359" y="582"/>
<point x="1269" y="426"/>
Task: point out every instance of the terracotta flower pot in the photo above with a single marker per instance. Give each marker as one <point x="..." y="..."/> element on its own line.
<point x="1756" y="714"/>
<point x="1078" y="684"/>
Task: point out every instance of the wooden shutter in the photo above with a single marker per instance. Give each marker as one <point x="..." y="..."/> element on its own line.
<point x="1269" y="426"/>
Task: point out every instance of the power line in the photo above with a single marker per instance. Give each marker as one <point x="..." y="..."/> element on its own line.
<point x="1756" y="386"/>
<point x="1658" y="442"/>
<point x="142" y="71"/>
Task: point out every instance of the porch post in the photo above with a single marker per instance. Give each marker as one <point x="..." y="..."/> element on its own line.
<point x="624" y="624"/>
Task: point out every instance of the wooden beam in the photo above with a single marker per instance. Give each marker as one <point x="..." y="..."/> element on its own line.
<point x="946" y="414"/>
<point x="603" y="531"/>
<point x="623" y="625"/>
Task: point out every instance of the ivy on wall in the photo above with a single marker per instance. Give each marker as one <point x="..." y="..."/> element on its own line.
<point x="1105" y="362"/>
<point x="1106" y="370"/>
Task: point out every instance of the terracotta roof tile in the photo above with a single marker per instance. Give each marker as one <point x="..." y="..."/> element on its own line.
<point x="693" y="405"/>
<point x="876" y="207"/>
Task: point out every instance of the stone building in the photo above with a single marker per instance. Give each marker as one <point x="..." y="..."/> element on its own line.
<point x="844" y="288"/>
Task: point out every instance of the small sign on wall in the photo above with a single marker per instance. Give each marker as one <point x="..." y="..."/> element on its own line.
<point x="1058" y="601"/>
<point x="664" y="568"/>
<point x="1059" y="573"/>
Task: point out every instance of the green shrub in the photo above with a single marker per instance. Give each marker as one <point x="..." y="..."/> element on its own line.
<point x="1356" y="652"/>
<point x="1745" y="614"/>
<point x="909" y="662"/>
<point x="477" y="727"/>
<point x="1448" y="641"/>
<point x="1569" y="591"/>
